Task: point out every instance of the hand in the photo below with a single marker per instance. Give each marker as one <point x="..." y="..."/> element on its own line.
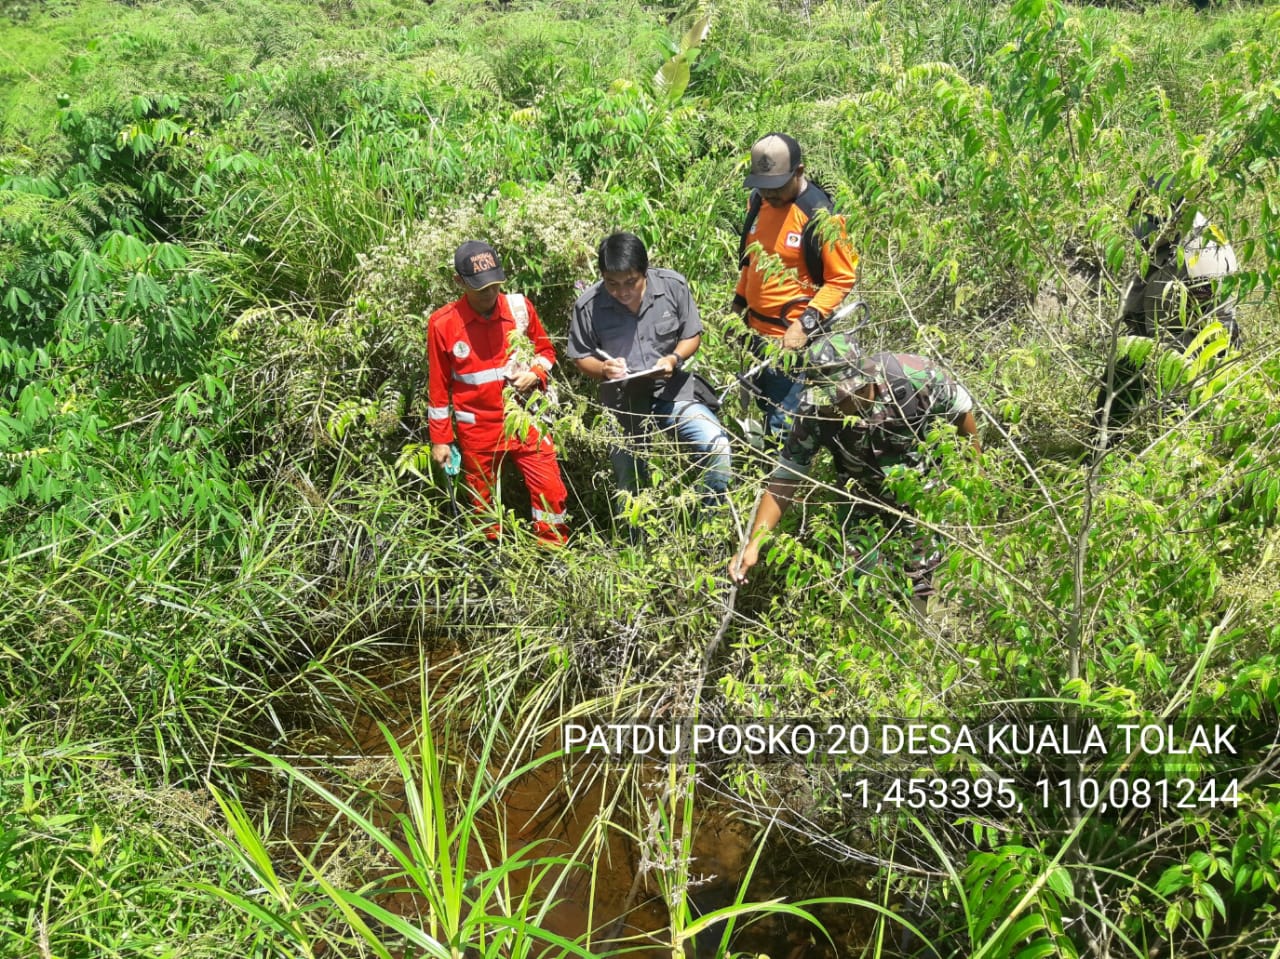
<point x="614" y="368"/>
<point x="525" y="381"/>
<point x="440" y="453"/>
<point x="795" y="338"/>
<point x="741" y="564"/>
<point x="667" y="365"/>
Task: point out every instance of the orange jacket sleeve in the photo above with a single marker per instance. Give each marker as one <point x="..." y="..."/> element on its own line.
<point x="839" y="271"/>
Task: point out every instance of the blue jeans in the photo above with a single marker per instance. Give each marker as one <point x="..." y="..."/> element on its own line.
<point x="779" y="399"/>
<point x="697" y="428"/>
<point x="777" y="393"/>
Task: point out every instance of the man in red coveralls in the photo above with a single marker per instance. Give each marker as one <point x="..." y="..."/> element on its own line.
<point x="469" y="356"/>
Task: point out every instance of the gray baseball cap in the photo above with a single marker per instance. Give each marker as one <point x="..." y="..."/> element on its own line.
<point x="774" y="159"/>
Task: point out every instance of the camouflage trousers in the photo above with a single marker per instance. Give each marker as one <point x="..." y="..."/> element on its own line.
<point x="878" y="541"/>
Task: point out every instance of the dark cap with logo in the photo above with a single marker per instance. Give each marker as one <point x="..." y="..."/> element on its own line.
<point x="774" y="159"/>
<point x="477" y="263"/>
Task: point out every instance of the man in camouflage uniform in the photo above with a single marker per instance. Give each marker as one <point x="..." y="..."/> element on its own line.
<point x="872" y="413"/>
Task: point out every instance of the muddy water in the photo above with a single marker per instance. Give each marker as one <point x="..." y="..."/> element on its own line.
<point x="613" y="901"/>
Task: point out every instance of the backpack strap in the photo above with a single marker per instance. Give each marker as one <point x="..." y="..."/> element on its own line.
<point x="517" y="304"/>
<point x="812" y="199"/>
<point x="753" y="211"/>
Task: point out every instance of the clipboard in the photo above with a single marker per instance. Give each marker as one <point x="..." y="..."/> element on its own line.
<point x="652" y="371"/>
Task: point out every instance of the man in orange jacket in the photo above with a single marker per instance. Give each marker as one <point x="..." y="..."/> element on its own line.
<point x="789" y="305"/>
<point x="470" y="362"/>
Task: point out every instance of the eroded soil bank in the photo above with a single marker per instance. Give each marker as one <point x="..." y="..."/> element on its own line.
<point x="648" y="855"/>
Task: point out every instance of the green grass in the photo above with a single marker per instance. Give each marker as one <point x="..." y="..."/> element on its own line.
<point x="221" y="226"/>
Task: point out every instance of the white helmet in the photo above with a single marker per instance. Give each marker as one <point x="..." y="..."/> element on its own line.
<point x="1204" y="257"/>
<point x="1181" y="297"/>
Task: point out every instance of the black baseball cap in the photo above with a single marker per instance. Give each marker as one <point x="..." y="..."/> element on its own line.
<point x="477" y="263"/>
<point x="774" y="159"/>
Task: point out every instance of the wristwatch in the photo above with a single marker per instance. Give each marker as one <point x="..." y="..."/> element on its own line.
<point x="810" y="319"/>
<point x="679" y="361"/>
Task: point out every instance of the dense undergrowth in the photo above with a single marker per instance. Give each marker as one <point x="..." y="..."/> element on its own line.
<point x="220" y="227"/>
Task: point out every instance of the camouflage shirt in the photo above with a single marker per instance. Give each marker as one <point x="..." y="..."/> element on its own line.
<point x="912" y="396"/>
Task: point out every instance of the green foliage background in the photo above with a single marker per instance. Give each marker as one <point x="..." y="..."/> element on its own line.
<point x="221" y="225"/>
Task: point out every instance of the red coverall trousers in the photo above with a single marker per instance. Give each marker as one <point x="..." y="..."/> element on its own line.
<point x="548" y="498"/>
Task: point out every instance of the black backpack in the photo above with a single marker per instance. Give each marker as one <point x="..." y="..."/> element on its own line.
<point x="812" y="199"/>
